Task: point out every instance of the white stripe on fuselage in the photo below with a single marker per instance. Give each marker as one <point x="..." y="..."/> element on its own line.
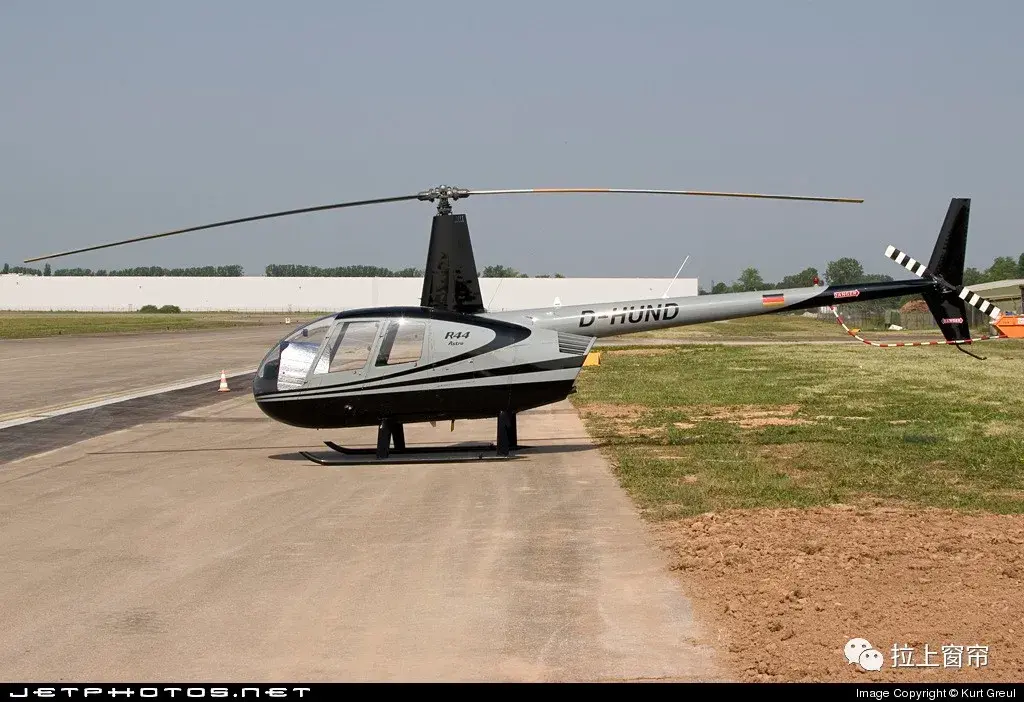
<point x="322" y="392"/>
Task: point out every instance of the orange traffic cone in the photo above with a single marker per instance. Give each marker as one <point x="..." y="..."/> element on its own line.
<point x="223" y="383"/>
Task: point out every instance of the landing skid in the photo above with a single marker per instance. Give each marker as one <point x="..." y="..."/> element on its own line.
<point x="391" y="448"/>
<point x="455" y="448"/>
<point x="455" y="455"/>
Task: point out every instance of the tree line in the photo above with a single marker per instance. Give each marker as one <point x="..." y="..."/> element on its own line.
<point x="279" y="270"/>
<point x="141" y="271"/>
<point x="847" y="270"/>
<point x="839" y="272"/>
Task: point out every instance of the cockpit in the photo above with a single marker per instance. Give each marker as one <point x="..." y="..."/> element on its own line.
<point x="412" y="364"/>
<point x="337" y="344"/>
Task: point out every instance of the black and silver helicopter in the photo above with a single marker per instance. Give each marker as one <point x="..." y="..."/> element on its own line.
<point x="450" y="359"/>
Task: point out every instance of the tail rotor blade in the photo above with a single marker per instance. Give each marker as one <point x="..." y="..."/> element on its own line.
<point x="915" y="267"/>
<point x="964" y="293"/>
<point x="975" y="300"/>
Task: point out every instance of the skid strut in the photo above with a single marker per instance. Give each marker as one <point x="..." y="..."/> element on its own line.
<point x="391" y="447"/>
<point x="507" y="439"/>
<point x="387" y="432"/>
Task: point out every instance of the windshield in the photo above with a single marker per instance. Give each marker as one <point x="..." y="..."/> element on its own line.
<point x="288" y="363"/>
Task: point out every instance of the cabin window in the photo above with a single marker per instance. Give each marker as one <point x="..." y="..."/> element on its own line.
<point x="403" y="343"/>
<point x="351" y="348"/>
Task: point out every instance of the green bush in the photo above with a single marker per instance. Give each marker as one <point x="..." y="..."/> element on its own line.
<point x="166" y="309"/>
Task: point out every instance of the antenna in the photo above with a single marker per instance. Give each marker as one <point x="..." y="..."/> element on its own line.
<point x="495" y="293"/>
<point x="665" y="294"/>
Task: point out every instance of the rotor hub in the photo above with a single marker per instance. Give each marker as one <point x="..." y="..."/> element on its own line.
<point x="444" y="194"/>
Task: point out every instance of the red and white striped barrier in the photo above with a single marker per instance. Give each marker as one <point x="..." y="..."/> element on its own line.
<point x="910" y="343"/>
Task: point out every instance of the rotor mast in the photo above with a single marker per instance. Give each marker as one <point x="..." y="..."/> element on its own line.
<point x="444" y="195"/>
<point x="450" y="280"/>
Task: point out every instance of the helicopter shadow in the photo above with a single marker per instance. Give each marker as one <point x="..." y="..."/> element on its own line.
<point x="468" y="452"/>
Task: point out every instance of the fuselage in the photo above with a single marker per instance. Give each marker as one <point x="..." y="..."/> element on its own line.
<point x="417" y="364"/>
<point x="414" y="364"/>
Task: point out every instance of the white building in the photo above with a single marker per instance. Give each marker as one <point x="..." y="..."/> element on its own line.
<point x="273" y="294"/>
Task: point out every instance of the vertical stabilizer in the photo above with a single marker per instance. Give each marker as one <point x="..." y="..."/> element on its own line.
<point x="947" y="260"/>
<point x="450" y="280"/>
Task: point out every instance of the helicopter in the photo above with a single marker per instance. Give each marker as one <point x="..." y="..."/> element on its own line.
<point x="450" y="359"/>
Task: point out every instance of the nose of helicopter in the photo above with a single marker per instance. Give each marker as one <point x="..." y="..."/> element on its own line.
<point x="265" y="380"/>
<point x="281" y="371"/>
<point x="288" y="362"/>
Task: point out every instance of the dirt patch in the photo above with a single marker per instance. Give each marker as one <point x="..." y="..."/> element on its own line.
<point x="753" y="416"/>
<point x="772" y="422"/>
<point x="609" y="411"/>
<point x="626" y="417"/>
<point x="787" y="589"/>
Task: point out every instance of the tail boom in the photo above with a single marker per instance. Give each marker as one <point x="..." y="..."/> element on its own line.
<point x="632" y="316"/>
<point x="939" y="283"/>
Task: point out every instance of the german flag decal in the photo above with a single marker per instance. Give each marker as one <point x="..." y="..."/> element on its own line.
<point x="771" y="300"/>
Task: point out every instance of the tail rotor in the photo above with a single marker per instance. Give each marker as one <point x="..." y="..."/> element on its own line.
<point x="962" y="292"/>
<point x="947" y="298"/>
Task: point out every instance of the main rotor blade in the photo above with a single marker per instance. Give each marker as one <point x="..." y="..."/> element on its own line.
<point x="319" y="208"/>
<point x="664" y="192"/>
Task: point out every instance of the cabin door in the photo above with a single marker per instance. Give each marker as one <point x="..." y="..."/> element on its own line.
<point x="402" y="348"/>
<point x="345" y="356"/>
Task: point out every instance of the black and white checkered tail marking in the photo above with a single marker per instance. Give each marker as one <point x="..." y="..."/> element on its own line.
<point x="975" y="300"/>
<point x="966" y="294"/>
<point x="915" y="267"/>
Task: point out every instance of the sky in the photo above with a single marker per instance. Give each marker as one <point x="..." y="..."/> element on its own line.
<point x="123" y="118"/>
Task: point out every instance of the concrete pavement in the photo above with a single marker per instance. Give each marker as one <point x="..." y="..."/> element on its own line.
<point x="200" y="547"/>
<point x="53" y="372"/>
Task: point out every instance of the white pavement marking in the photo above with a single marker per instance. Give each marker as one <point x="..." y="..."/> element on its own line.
<point x="35" y="416"/>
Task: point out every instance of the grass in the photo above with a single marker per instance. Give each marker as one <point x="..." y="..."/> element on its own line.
<point x="702" y="428"/>
<point x="779" y="327"/>
<point x="23" y="325"/>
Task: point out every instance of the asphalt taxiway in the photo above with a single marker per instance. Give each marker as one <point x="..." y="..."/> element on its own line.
<point x="53" y="373"/>
<point x="198" y="545"/>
